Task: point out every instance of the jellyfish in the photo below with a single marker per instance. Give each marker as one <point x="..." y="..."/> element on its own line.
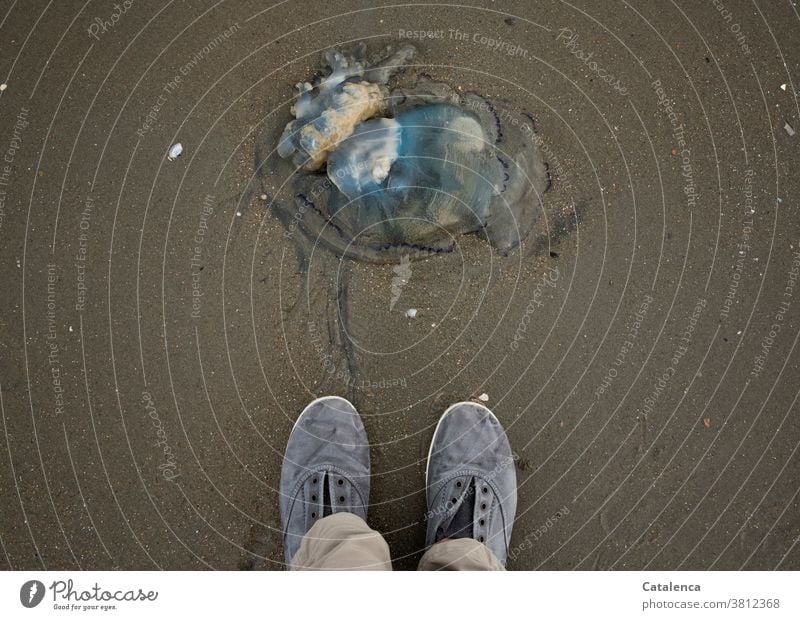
<point x="381" y="162"/>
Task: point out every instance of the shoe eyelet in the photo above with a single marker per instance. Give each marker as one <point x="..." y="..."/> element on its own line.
<point x="454" y="500"/>
<point x="341" y="499"/>
<point x="340" y="482"/>
<point x="485" y="489"/>
<point x="313" y="515"/>
<point x="314" y="481"/>
<point x="458" y="484"/>
<point x="480" y="538"/>
<point x="482" y="522"/>
<point x="313" y="498"/>
<point x="483" y="506"/>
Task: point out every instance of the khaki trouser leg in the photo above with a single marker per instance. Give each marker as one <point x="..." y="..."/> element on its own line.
<point x="459" y="554"/>
<point x="342" y="541"/>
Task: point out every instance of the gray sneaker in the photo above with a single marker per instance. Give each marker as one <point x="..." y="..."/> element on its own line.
<point x="470" y="479"/>
<point x="325" y="469"/>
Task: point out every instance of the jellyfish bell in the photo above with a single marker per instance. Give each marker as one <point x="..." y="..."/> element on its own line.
<point x="381" y="171"/>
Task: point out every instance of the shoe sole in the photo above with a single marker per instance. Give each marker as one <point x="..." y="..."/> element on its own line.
<point x="439" y="424"/>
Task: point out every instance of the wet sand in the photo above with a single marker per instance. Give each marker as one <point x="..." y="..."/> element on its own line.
<point x="161" y="331"/>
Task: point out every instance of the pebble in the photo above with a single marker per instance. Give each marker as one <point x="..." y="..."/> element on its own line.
<point x="411" y="313"/>
<point x="484" y="397"/>
<point x="175" y="151"/>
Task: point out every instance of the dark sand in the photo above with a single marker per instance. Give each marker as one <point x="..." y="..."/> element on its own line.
<point x="615" y="470"/>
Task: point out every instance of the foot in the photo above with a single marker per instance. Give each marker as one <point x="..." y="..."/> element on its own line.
<point x="325" y="469"/>
<point x="470" y="479"/>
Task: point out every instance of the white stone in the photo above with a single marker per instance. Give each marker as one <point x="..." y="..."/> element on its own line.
<point x="175" y="151"/>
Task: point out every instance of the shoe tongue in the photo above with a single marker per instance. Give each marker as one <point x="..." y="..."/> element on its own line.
<point x="326" y="496"/>
<point x="462" y="522"/>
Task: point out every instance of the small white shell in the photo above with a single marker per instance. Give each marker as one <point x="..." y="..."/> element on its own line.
<point x="484" y="397"/>
<point x="3" y="87"/>
<point x="175" y="151"/>
<point x="411" y="313"/>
